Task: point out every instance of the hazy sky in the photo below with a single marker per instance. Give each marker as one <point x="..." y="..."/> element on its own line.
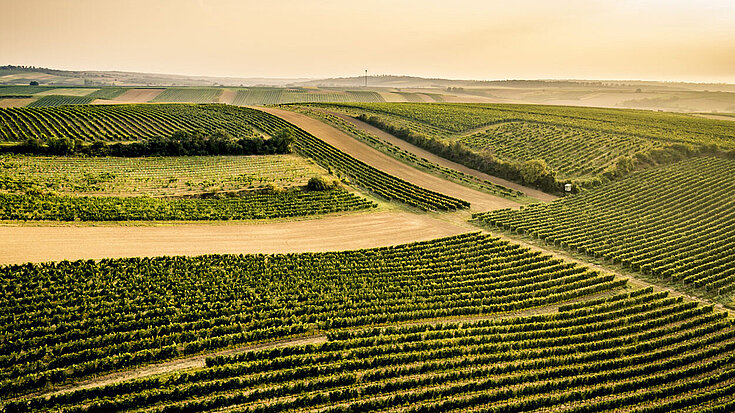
<point x="469" y="39"/>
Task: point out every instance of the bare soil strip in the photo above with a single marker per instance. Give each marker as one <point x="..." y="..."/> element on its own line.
<point x="15" y="102"/>
<point x="137" y="96"/>
<point x="195" y="362"/>
<point x="422" y="153"/>
<point x="479" y="201"/>
<point x="20" y="244"/>
<point x="199" y="361"/>
<point x="227" y="96"/>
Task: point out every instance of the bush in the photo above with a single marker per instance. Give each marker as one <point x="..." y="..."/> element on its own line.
<point x="319" y="183"/>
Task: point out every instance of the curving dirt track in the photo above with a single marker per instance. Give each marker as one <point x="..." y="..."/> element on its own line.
<point x="422" y="153"/>
<point x="479" y="201"/>
<point x="20" y="244"/>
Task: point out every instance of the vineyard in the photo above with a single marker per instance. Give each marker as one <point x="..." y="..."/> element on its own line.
<point x="67" y="320"/>
<point x="272" y="96"/>
<point x="255" y="205"/>
<point x="188" y="95"/>
<point x="155" y="176"/>
<point x="130" y="122"/>
<point x="676" y="222"/>
<point x="119" y="122"/>
<point x="579" y="144"/>
<point x="636" y="352"/>
<point x="408" y="157"/>
<point x="60" y="100"/>
<point x="572" y="152"/>
<point x="358" y="172"/>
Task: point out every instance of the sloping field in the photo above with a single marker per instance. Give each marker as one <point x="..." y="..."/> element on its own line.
<point x="342" y="141"/>
<point x="189" y="95"/>
<point x="138" y="95"/>
<point x="675" y="222"/>
<point x="67" y="91"/>
<point x="633" y="352"/>
<point x="106" y="315"/>
<point x="60" y="100"/>
<point x="19" y="244"/>
<point x="422" y="153"/>
<point x="583" y="146"/>
<point x="15" y="102"/>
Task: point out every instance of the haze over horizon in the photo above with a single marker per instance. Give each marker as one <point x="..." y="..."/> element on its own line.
<point x="471" y="39"/>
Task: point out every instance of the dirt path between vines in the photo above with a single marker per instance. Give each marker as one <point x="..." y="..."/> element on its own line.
<point x="479" y="201"/>
<point x="40" y="243"/>
<point x="227" y="96"/>
<point x="422" y="153"/>
<point x="199" y="361"/>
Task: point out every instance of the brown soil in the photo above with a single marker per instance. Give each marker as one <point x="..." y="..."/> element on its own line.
<point x="479" y="201"/>
<point x="422" y="153"/>
<point x="227" y="96"/>
<point x="137" y="96"/>
<point x="15" y="102"/>
<point x="20" y="243"/>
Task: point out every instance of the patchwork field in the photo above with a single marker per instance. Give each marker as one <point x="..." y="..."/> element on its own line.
<point x="377" y="293"/>
<point x="582" y="146"/>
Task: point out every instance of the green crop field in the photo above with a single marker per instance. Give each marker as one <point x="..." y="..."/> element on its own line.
<point x="676" y="222"/>
<point x="266" y="205"/>
<point x="120" y="122"/>
<point x="59" y="100"/>
<point x="74" y="319"/>
<point x="638" y="352"/>
<point x="271" y="96"/>
<point x="22" y="90"/>
<point x="577" y="144"/>
<point x="108" y="93"/>
<point x="130" y="122"/>
<point x="155" y="176"/>
<point x="189" y="95"/>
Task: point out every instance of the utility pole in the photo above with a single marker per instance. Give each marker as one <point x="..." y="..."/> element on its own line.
<point x="365" y="77"/>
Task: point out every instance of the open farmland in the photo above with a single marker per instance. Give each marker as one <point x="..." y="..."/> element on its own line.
<point x="188" y="95"/>
<point x="676" y="222"/>
<point x="121" y="317"/>
<point x="584" y="146"/>
<point x="155" y="176"/>
<point x="60" y="100"/>
<point x="632" y="352"/>
<point x="130" y="122"/>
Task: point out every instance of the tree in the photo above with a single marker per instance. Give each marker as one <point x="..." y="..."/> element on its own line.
<point x="532" y="171"/>
<point x="318" y="183"/>
<point x="283" y="140"/>
<point x="33" y="83"/>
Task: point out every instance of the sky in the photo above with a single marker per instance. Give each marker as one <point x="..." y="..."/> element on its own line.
<point x="667" y="40"/>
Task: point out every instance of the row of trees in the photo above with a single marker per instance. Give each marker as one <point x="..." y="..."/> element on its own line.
<point x="180" y="143"/>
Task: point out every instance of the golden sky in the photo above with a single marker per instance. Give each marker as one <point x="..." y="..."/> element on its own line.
<point x="467" y="39"/>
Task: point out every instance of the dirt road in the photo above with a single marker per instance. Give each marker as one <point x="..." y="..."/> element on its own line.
<point x="479" y="201"/>
<point x="422" y="153"/>
<point x="19" y="244"/>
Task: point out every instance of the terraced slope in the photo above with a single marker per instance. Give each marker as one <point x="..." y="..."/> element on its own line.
<point x="632" y="352"/>
<point x="676" y="222"/>
<point x="67" y="320"/>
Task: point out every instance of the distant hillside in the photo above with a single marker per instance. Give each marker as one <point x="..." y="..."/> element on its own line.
<point x="667" y="96"/>
<point x="22" y="75"/>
